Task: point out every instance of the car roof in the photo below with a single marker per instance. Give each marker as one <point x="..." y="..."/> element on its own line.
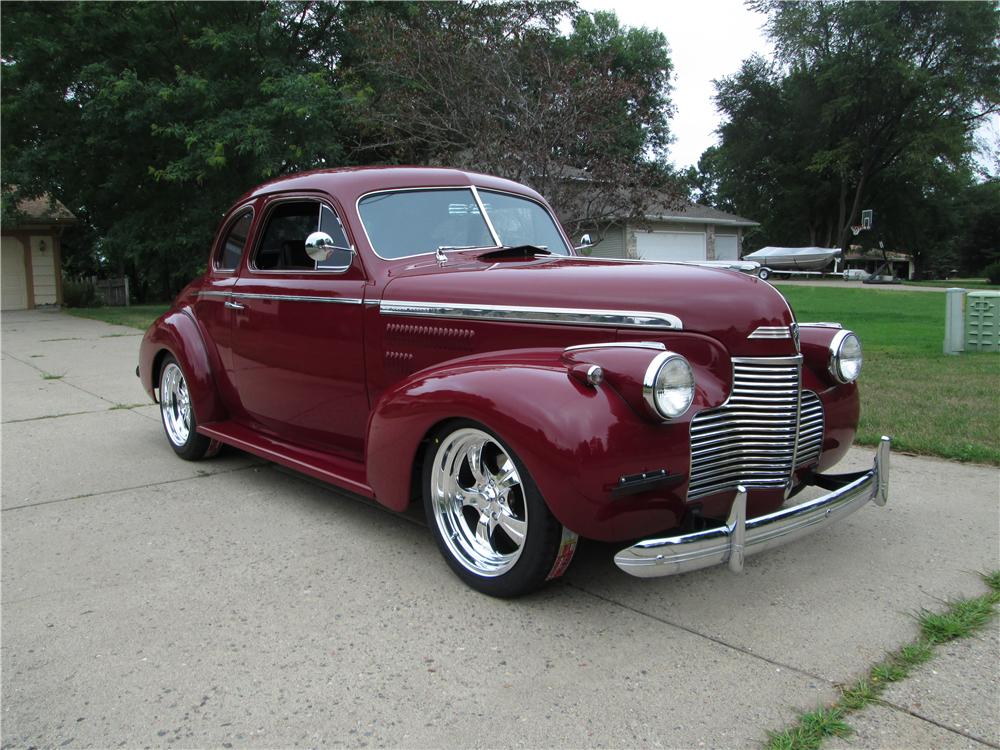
<point x="349" y="183"/>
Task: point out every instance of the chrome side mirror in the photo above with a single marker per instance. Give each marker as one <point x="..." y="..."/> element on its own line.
<point x="585" y="242"/>
<point x="321" y="248"/>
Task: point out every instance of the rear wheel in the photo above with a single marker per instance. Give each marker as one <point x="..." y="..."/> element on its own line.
<point x="488" y="517"/>
<point x="178" y="416"/>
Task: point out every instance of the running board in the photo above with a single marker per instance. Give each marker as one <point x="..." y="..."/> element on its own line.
<point x="350" y="475"/>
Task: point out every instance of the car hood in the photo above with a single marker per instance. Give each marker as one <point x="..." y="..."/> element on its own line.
<point x="726" y="305"/>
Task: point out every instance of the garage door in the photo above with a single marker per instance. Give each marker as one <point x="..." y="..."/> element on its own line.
<point x="14" y="292"/>
<point x="725" y="247"/>
<point x="670" y="245"/>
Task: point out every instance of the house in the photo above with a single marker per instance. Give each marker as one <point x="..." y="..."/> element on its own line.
<point x="692" y="232"/>
<point x="31" y="262"/>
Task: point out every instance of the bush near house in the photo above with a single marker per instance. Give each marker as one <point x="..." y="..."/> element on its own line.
<point x="80" y="294"/>
<point x="992" y="273"/>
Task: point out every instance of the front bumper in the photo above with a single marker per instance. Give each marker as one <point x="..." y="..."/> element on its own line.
<point x="740" y="537"/>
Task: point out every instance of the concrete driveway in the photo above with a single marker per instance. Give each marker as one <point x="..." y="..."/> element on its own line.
<point x="148" y="601"/>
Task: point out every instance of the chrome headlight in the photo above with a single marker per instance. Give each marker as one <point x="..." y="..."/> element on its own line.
<point x="845" y="357"/>
<point x="668" y="385"/>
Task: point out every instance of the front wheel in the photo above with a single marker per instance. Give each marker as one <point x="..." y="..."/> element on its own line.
<point x="177" y="415"/>
<point x="488" y="517"/>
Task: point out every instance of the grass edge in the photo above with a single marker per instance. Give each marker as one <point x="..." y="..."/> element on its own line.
<point x="959" y="619"/>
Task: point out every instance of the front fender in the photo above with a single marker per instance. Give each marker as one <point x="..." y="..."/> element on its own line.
<point x="177" y="332"/>
<point x="841" y="403"/>
<point x="574" y="439"/>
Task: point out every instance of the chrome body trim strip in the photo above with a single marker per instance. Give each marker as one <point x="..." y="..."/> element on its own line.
<point x="285" y="297"/>
<point x="652" y="558"/>
<point x="821" y="324"/>
<point x="213" y="294"/>
<point x="553" y="315"/>
<point x="771" y="332"/>
<point x="617" y="345"/>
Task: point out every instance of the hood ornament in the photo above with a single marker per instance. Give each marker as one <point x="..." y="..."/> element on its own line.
<point x="794" y="329"/>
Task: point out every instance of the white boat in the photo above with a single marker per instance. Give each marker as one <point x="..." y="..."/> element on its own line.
<point x="794" y="258"/>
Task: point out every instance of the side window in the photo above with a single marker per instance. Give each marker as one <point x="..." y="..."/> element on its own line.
<point x="236" y="240"/>
<point x="283" y="241"/>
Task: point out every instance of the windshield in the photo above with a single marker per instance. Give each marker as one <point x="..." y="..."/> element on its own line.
<point x="520" y="221"/>
<point x="413" y="222"/>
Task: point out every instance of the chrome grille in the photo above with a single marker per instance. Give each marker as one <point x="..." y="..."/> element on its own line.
<point x="751" y="439"/>
<point x="810" y="429"/>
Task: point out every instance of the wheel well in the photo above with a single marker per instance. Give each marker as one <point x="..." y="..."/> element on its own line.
<point x="417" y="470"/>
<point x="157" y="366"/>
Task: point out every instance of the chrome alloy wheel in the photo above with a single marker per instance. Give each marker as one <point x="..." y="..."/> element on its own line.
<point x="478" y="502"/>
<point x="175" y="404"/>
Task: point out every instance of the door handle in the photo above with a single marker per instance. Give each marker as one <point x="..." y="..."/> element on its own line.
<point x="234" y="305"/>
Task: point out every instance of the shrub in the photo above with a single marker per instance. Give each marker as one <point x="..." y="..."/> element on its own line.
<point x="992" y="273"/>
<point x="80" y="294"/>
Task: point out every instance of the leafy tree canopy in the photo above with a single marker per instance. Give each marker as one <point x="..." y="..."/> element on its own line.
<point x="865" y="100"/>
<point x="495" y="87"/>
<point x="149" y="119"/>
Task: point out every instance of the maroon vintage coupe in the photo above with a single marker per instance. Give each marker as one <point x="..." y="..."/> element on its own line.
<point x="430" y="335"/>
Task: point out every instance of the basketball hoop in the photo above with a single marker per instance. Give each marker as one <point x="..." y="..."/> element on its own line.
<point x="856" y="228"/>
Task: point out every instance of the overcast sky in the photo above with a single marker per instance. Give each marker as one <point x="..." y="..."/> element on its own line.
<point x="708" y="39"/>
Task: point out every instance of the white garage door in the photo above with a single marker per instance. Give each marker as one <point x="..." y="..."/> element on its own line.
<point x="14" y="293"/>
<point x="670" y="245"/>
<point x="725" y="247"/>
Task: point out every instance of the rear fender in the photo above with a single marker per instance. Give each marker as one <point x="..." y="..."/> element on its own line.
<point x="177" y="333"/>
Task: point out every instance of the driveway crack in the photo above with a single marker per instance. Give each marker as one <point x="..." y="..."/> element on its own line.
<point x="940" y="725"/>
<point x="712" y="638"/>
<point x="255" y="465"/>
<point x="61" y="379"/>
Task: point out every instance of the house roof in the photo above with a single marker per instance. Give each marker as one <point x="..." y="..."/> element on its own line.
<point x="43" y="210"/>
<point x="696" y="213"/>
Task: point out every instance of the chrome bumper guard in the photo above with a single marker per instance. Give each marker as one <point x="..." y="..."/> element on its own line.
<point x="652" y="558"/>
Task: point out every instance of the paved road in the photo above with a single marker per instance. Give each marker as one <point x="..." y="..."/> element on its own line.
<point x="152" y="602"/>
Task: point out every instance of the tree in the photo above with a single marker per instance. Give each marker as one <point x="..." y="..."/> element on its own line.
<point x="861" y="94"/>
<point x="494" y="87"/>
<point x="149" y="119"/>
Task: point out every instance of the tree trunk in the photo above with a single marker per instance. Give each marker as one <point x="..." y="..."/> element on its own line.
<point x="845" y="225"/>
<point x="841" y="204"/>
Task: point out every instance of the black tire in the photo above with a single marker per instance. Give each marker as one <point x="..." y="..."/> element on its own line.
<point x="544" y="536"/>
<point x="764" y="274"/>
<point x="177" y="415"/>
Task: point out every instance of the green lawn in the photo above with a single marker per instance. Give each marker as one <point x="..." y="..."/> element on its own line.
<point x="136" y="316"/>
<point x="961" y="283"/>
<point x="928" y="402"/>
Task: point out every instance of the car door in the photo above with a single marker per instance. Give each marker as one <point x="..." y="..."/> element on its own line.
<point x="298" y="349"/>
<point x="212" y="307"/>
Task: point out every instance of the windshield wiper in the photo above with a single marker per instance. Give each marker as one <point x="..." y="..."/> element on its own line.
<point x="517" y="251"/>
